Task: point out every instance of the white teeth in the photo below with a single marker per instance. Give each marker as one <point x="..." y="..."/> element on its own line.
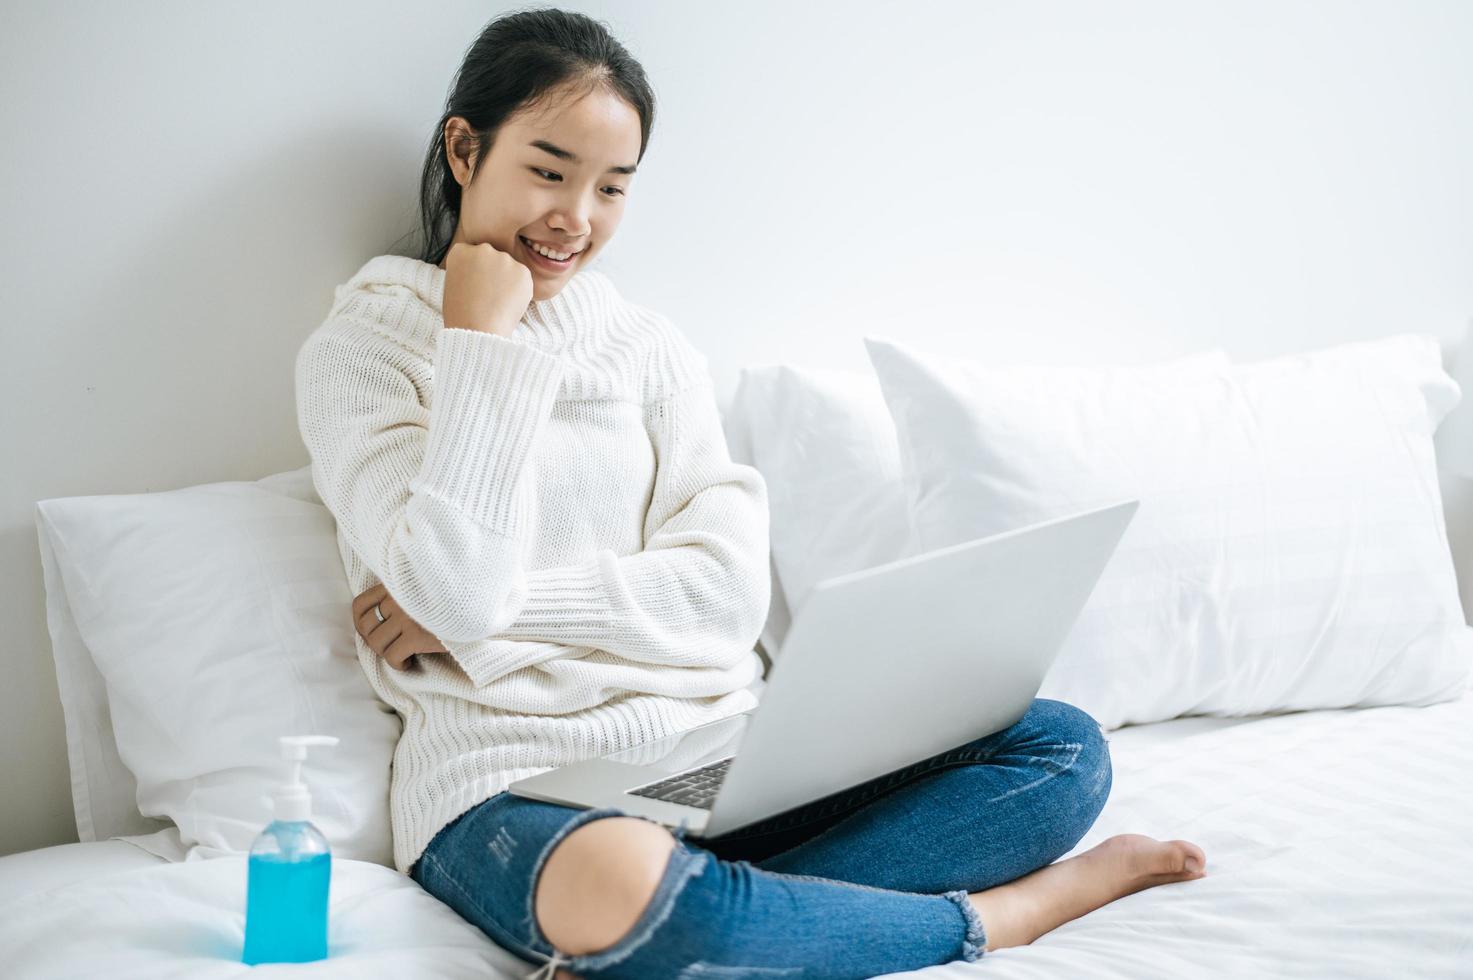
<point x="544" y="250"/>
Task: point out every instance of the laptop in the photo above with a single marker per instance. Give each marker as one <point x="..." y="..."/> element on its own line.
<point x="881" y="668"/>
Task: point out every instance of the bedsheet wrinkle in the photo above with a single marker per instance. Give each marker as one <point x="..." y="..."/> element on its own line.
<point x="1339" y="843"/>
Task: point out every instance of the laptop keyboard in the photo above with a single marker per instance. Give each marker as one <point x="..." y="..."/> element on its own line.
<point x="694" y="787"/>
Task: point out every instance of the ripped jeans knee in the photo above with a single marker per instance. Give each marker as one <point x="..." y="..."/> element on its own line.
<point x="707" y="918"/>
<point x="684" y="863"/>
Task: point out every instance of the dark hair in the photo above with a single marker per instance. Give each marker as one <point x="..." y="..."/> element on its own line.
<point x="517" y="60"/>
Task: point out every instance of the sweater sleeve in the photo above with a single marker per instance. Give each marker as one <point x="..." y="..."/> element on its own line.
<point x="432" y="500"/>
<point x="698" y="593"/>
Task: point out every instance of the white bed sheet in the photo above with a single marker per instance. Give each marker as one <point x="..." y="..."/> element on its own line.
<point x="1339" y="843"/>
<point x="62" y="864"/>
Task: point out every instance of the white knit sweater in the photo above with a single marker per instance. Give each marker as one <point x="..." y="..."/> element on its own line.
<point x="558" y="507"/>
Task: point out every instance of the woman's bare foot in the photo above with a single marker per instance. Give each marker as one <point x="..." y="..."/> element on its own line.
<point x="1016" y="913"/>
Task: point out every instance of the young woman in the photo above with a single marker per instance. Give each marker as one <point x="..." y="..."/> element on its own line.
<point x="557" y="559"/>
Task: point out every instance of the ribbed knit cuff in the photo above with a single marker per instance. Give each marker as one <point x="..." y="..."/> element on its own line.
<point x="493" y="395"/>
<point x="569" y="604"/>
<point x="490" y="660"/>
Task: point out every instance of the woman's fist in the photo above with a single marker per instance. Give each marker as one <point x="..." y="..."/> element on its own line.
<point x="485" y="289"/>
<point x="398" y="637"/>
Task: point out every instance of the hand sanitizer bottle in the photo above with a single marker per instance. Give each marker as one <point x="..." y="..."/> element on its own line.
<point x="290" y="867"/>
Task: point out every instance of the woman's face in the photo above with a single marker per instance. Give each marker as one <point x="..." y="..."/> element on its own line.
<point x="556" y="175"/>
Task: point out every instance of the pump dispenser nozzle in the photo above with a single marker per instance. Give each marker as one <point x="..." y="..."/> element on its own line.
<point x="289" y="871"/>
<point x="292" y="800"/>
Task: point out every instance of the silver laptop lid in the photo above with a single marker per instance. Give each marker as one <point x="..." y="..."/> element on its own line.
<point x="894" y="663"/>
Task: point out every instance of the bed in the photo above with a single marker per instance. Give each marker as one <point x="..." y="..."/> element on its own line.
<point x="1339" y="841"/>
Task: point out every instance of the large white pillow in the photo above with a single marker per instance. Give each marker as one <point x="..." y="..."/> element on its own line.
<point x="218" y="618"/>
<point x="823" y="441"/>
<point x="104" y="791"/>
<point x="1289" y="551"/>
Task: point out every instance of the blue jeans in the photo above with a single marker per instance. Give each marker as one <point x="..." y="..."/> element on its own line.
<point x="869" y="881"/>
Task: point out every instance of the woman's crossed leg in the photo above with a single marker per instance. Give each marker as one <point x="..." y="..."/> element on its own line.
<point x="938" y="861"/>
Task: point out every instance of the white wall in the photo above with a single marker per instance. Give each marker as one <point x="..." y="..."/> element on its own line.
<point x="183" y="184"/>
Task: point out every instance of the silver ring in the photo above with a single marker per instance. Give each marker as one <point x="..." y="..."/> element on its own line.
<point x="378" y="612"/>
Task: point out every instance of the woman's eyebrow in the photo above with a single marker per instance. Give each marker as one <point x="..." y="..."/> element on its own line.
<point x="563" y="154"/>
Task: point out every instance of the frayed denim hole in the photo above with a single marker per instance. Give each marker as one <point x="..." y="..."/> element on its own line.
<point x="685" y="863"/>
<point x="536" y="939"/>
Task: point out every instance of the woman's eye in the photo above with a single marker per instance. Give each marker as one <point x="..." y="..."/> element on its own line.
<point x="618" y="191"/>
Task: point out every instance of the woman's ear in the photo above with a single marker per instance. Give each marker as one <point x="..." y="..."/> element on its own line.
<point x="460" y="148"/>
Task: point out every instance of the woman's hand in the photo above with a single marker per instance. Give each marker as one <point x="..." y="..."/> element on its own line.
<point x="398" y="637"/>
<point x="485" y="289"/>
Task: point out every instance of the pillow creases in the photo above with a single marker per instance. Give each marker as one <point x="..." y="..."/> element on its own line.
<point x="217" y="617"/>
<point x="1290" y="550"/>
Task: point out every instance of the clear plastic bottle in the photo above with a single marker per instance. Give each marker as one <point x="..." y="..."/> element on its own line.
<point x="290" y="869"/>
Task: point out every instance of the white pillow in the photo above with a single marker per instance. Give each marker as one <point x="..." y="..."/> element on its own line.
<point x="104" y="792"/>
<point x="738" y="433"/>
<point x="1289" y="551"/>
<point x="824" y="442"/>
<point x="218" y="617"/>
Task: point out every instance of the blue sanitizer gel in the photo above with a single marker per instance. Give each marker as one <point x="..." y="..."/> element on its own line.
<point x="290" y="869"/>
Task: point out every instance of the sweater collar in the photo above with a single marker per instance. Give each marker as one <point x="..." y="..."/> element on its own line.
<point x="405" y="296"/>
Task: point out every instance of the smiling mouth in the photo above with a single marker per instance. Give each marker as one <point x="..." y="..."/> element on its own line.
<point x="551" y="263"/>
